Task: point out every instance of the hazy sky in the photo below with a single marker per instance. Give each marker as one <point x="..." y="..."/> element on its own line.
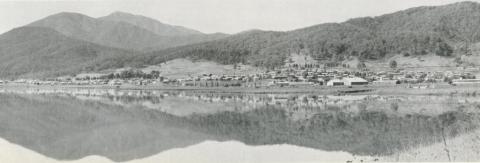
<point x="228" y="16"/>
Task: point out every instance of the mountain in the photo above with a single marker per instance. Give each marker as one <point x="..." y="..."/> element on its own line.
<point x="150" y="24"/>
<point x="68" y="43"/>
<point x="447" y="31"/>
<point x="116" y="34"/>
<point x="177" y="35"/>
<point x="42" y="52"/>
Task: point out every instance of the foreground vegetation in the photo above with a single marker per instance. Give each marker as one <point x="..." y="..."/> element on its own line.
<point x="462" y="148"/>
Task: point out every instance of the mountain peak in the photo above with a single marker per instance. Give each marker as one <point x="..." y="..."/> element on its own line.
<point x="150" y="24"/>
<point x="121" y="13"/>
<point x="250" y="31"/>
<point x="69" y="15"/>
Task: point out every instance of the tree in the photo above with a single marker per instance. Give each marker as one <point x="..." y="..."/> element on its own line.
<point x="110" y="76"/>
<point x="393" y="64"/>
<point x="361" y="65"/>
<point x="443" y="49"/>
<point x="155" y="74"/>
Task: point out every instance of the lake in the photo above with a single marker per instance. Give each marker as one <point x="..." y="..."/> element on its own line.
<point x="108" y="125"/>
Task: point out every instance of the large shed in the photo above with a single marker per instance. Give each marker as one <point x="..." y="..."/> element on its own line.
<point x="355" y="81"/>
<point x="336" y="82"/>
<point x="347" y="81"/>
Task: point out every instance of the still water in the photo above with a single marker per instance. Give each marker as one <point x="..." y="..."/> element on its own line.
<point x="186" y="126"/>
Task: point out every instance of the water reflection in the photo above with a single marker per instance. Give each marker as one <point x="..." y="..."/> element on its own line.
<point x="125" y="125"/>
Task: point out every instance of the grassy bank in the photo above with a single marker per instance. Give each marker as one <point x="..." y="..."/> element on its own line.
<point x="463" y="148"/>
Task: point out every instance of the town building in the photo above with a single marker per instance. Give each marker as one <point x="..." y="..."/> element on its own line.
<point x="355" y="81"/>
<point x="349" y="81"/>
<point x="336" y="82"/>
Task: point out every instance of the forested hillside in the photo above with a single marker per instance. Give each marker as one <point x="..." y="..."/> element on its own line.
<point x="443" y="30"/>
<point x="41" y="52"/>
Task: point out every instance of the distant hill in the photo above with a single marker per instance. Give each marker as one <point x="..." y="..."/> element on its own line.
<point x="446" y="31"/>
<point x="176" y="35"/>
<point x="122" y="30"/>
<point x="38" y="52"/>
<point x="150" y="24"/>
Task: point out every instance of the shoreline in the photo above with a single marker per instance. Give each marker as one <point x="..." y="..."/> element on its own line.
<point x="321" y="90"/>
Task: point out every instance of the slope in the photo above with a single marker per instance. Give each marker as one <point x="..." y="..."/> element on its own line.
<point x="446" y="31"/>
<point x="150" y="24"/>
<point x="116" y="34"/>
<point x="42" y="52"/>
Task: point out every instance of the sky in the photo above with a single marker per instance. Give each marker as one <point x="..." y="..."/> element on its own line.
<point x="210" y="16"/>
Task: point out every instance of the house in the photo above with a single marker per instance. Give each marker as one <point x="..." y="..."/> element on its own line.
<point x="396" y="75"/>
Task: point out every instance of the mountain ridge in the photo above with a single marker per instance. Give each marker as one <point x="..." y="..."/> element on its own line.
<point x="150" y="24"/>
<point x="445" y="30"/>
<point x="118" y="34"/>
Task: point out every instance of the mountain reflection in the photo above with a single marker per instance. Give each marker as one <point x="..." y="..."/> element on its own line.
<point x="127" y="126"/>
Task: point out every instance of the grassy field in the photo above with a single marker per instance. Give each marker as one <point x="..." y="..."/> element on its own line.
<point x="184" y="68"/>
